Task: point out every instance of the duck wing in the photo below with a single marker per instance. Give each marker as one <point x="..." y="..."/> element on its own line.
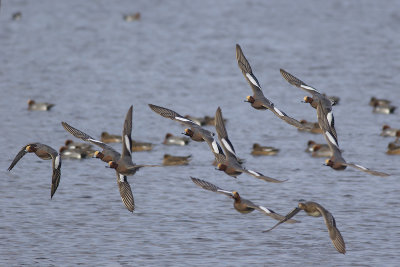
<point x="85" y="137"/>
<point x="125" y="192"/>
<point x="260" y="176"/>
<point x="223" y="137"/>
<point x="364" y="169"/>
<point x="287" y="217"/>
<point x="334" y="233"/>
<point x="127" y="135"/>
<point x="210" y="187"/>
<point x="19" y="156"/>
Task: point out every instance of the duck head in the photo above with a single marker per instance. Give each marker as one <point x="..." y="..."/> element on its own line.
<point x="188" y="132"/>
<point x="112" y="164"/>
<point x="30" y="148"/>
<point x="250" y="99"/>
<point x="308" y="99"/>
<point x="221" y="167"/>
<point x="235" y="195"/>
<point x="335" y="165"/>
<point x="98" y="154"/>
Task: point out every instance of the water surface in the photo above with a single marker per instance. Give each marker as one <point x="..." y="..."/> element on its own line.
<point x="82" y="56"/>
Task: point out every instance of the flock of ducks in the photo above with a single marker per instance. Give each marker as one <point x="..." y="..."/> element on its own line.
<point x="226" y="159"/>
<point x="127" y="17"/>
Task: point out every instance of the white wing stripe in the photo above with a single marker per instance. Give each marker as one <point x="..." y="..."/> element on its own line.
<point x="224" y="191"/>
<point x="251" y="79"/>
<point x="279" y="112"/>
<point x="127" y="143"/>
<point x="95" y="141"/>
<point x="215" y="146"/>
<point x="182" y="119"/>
<point x="331" y="139"/>
<point x="308" y="87"/>
<point x="253" y="172"/>
<point x="226" y="144"/>
<point x="57" y="162"/>
<point x="329" y="116"/>
<point x="265" y="209"/>
<point x="361" y="167"/>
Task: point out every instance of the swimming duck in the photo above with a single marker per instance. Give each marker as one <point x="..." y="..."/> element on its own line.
<point x="132" y="17"/>
<point x="258" y="100"/>
<point x="170" y="139"/>
<point x="383" y="109"/>
<point x="169" y="160"/>
<point x="388" y="131"/>
<point x="380" y="102"/>
<point x="33" y="105"/>
<point x="393" y="148"/>
<point x="240" y="204"/>
<point x="259" y="150"/>
<point x="72" y="153"/>
<point x="141" y="146"/>
<point x="110" y="138"/>
<point x="16" y="15"/>
<point x="316" y="210"/>
<point x="44" y="152"/>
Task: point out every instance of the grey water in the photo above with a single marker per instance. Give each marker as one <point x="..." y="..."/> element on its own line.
<point x="83" y="57"/>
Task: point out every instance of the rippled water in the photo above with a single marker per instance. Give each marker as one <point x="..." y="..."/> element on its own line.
<point x="82" y="56"/>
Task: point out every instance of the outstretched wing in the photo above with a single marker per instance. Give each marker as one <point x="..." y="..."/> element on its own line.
<point x="56" y="165"/>
<point x="283" y="116"/>
<point x="125" y="192"/>
<point x="364" y="169"/>
<point x="299" y="83"/>
<point x="85" y="137"/>
<point x="268" y="212"/>
<point x="170" y="114"/>
<point x="20" y="154"/>
<point x="334" y="233"/>
<point x="227" y="146"/>
<point x="261" y="176"/>
<point x="211" y="187"/>
<point x="127" y="135"/>
<point x="287" y="217"/>
<point x="245" y="67"/>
